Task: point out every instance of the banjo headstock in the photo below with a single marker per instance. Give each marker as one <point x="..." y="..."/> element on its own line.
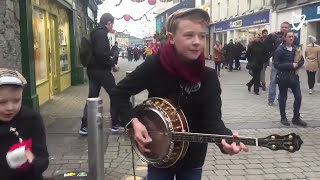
<point x="290" y="142"/>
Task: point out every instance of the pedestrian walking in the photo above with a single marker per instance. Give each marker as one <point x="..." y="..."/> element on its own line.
<point x="256" y="54"/>
<point x="99" y="69"/>
<point x="238" y="48"/>
<point x="218" y="52"/>
<point x="229" y="54"/>
<point x="23" y="149"/>
<point x="284" y="62"/>
<point x="272" y="42"/>
<point x="115" y="53"/>
<point x="178" y="72"/>
<point x="266" y="64"/>
<point x="312" y="54"/>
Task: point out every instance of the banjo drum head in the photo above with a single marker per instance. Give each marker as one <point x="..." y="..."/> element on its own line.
<point x="157" y="126"/>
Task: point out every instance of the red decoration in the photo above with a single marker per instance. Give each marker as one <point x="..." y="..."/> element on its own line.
<point x="126" y="17"/>
<point x="152" y="2"/>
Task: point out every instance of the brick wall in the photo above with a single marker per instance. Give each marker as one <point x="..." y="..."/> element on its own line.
<point x="10" y="49"/>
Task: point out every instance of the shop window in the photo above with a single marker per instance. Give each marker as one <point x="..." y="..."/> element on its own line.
<point x="64" y="41"/>
<point x="38" y="22"/>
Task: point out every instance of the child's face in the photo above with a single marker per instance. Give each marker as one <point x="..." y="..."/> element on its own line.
<point x="189" y="39"/>
<point x="10" y="102"/>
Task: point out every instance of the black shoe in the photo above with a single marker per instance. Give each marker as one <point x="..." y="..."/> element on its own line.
<point x="249" y="87"/>
<point x="263" y="87"/>
<point x="257" y="93"/>
<point x="299" y="122"/>
<point x="285" y="121"/>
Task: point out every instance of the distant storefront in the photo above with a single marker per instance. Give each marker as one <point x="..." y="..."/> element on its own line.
<point x="51" y="37"/>
<point x="242" y="28"/>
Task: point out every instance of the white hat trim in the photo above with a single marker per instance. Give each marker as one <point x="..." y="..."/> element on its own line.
<point x="11" y="80"/>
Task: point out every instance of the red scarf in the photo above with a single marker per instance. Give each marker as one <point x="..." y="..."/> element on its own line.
<point x="191" y="71"/>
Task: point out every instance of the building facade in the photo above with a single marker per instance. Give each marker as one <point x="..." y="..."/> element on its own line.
<point x="40" y="38"/>
<point x="239" y="19"/>
<point x="122" y="39"/>
<point x="162" y="17"/>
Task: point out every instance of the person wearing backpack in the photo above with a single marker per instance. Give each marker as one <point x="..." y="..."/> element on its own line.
<point x="99" y="68"/>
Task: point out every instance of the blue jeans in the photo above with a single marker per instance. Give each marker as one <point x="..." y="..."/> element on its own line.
<point x="169" y="173"/>
<point x="272" y="86"/>
<point x="295" y="87"/>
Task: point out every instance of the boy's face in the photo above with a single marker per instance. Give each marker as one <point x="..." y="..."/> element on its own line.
<point x="189" y="39"/>
<point x="10" y="102"/>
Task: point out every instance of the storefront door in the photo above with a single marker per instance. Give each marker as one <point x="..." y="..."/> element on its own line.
<point x="52" y="55"/>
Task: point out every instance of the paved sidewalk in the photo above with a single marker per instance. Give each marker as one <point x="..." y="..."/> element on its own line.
<point x="242" y="111"/>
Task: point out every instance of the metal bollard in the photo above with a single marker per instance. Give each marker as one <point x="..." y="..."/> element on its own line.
<point x="95" y="138"/>
<point x="132" y="99"/>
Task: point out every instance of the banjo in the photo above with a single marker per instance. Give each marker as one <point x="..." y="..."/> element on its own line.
<point x="168" y="128"/>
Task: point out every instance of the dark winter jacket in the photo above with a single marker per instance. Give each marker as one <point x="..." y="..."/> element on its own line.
<point x="238" y="48"/>
<point x="202" y="108"/>
<point x="257" y="54"/>
<point x="283" y="58"/>
<point x="115" y="51"/>
<point x="101" y="50"/>
<point x="28" y="124"/>
<point x="229" y="51"/>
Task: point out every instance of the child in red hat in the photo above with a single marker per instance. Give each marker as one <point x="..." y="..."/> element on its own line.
<point x="23" y="149"/>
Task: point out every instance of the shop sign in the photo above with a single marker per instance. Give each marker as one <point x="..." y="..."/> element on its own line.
<point x="249" y="20"/>
<point x="235" y="24"/>
<point x="312" y="11"/>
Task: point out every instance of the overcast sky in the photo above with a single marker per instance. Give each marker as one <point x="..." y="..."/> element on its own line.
<point x="136" y="10"/>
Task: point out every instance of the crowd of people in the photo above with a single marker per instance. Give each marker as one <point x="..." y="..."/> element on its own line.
<point x="284" y="50"/>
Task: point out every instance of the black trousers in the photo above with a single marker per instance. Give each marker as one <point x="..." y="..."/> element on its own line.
<point x="237" y="63"/>
<point x="311" y="79"/>
<point x="217" y="65"/>
<point x="255" y="81"/>
<point x="98" y="79"/>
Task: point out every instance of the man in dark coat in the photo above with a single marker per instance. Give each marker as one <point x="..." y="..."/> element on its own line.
<point x="230" y="54"/>
<point x="99" y="69"/>
<point x="238" y="48"/>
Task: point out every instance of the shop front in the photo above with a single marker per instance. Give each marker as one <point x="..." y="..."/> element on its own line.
<point x="312" y="13"/>
<point x="242" y="28"/>
<point x="51" y="38"/>
<point x="312" y="19"/>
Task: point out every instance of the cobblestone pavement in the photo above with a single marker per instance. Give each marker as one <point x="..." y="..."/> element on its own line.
<point x="242" y="111"/>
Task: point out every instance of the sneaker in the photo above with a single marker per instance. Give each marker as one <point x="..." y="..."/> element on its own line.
<point x="117" y="128"/>
<point x="263" y="87"/>
<point x="285" y="121"/>
<point x="310" y="91"/>
<point x="270" y="103"/>
<point x="83" y="131"/>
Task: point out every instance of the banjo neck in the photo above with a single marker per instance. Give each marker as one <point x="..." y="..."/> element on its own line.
<point x="290" y="142"/>
<point x="212" y="138"/>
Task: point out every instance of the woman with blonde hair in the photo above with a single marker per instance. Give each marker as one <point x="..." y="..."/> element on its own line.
<point x="312" y="61"/>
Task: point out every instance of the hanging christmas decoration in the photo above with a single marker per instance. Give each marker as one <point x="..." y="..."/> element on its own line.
<point x="152" y="2"/>
<point x="126" y="17"/>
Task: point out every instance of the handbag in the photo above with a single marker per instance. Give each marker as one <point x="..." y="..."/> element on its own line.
<point x="285" y="78"/>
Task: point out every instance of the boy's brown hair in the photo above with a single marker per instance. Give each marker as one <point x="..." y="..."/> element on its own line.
<point x="193" y="14"/>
